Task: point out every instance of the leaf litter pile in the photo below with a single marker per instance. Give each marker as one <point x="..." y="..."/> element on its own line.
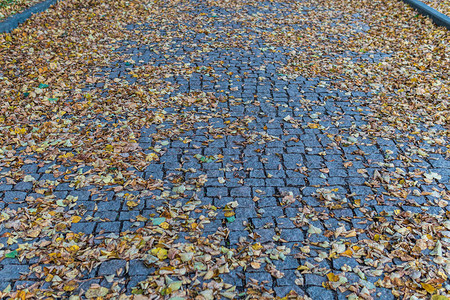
<point x="441" y="6"/>
<point x="225" y="149"/>
<point x="9" y="8"/>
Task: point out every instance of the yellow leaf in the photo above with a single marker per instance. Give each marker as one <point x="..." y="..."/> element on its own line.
<point x="49" y="278"/>
<point x="74" y="248"/>
<point x="132" y="204"/>
<point x="257" y="246"/>
<point x="70" y="287"/>
<point x="75" y="219"/>
<point x="439" y="297"/>
<point x="151" y="157"/>
<point x="332" y="277"/>
<point x="347" y="253"/>
<point x="229" y="214"/>
<point x="141" y="218"/>
<point x="160" y="253"/>
<point x="22" y="295"/>
<point x="164" y="225"/>
<point x="302" y="268"/>
<point x="428" y="287"/>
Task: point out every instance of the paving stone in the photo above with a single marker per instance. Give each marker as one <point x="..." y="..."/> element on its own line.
<point x="263" y="192"/>
<point x="282" y="291"/>
<point x="384" y="294"/>
<point x="134" y="282"/>
<point x="14" y="196"/>
<point x="241" y="192"/>
<point x="65" y="186"/>
<point x="23" y="186"/>
<point x="108" y="227"/>
<point x="316" y="292"/>
<point x="12" y="272"/>
<point x="234" y="236"/>
<point x="216" y="191"/>
<point x="314" y="279"/>
<point x="261" y="277"/>
<point x="266" y="235"/>
<point x="23" y="284"/>
<point x="231" y="278"/>
<point x="87" y="228"/>
<point x="285" y="223"/>
<point x="111" y="267"/>
<point x="108" y="205"/>
<point x="107" y="215"/>
<point x="287" y="265"/>
<point x="82" y="195"/>
<point x="5" y="187"/>
<point x="338" y="263"/>
<point x="138" y="268"/>
<point x="292" y="235"/>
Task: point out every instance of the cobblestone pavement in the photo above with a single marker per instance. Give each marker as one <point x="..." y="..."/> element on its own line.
<point x="264" y="147"/>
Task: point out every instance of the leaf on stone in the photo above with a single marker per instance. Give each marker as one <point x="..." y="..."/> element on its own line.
<point x="314" y="230"/>
<point x="158" y="221"/>
<point x="29" y="178"/>
<point x="75" y="219"/>
<point x="95" y="292"/>
<point x="11" y="254"/>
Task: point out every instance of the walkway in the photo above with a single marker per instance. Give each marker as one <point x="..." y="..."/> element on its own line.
<point x="225" y="149"/>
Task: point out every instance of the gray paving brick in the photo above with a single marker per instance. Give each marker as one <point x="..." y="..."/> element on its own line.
<point x="14" y="196"/>
<point x="316" y="292"/>
<point x="111" y="267"/>
<point x="261" y="277"/>
<point x="216" y="191"/>
<point x="12" y="272"/>
<point x="108" y="227"/>
<point x="23" y="186"/>
<point x="137" y="268"/>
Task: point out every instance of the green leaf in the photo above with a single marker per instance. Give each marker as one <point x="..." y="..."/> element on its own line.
<point x="186" y="256"/>
<point x="231" y="219"/>
<point x="96" y="292"/>
<point x="11" y="254"/>
<point x="60" y="202"/>
<point x="176" y="285"/>
<point x="43" y="85"/>
<point x="158" y="221"/>
<point x="179" y="189"/>
<point x="137" y="291"/>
